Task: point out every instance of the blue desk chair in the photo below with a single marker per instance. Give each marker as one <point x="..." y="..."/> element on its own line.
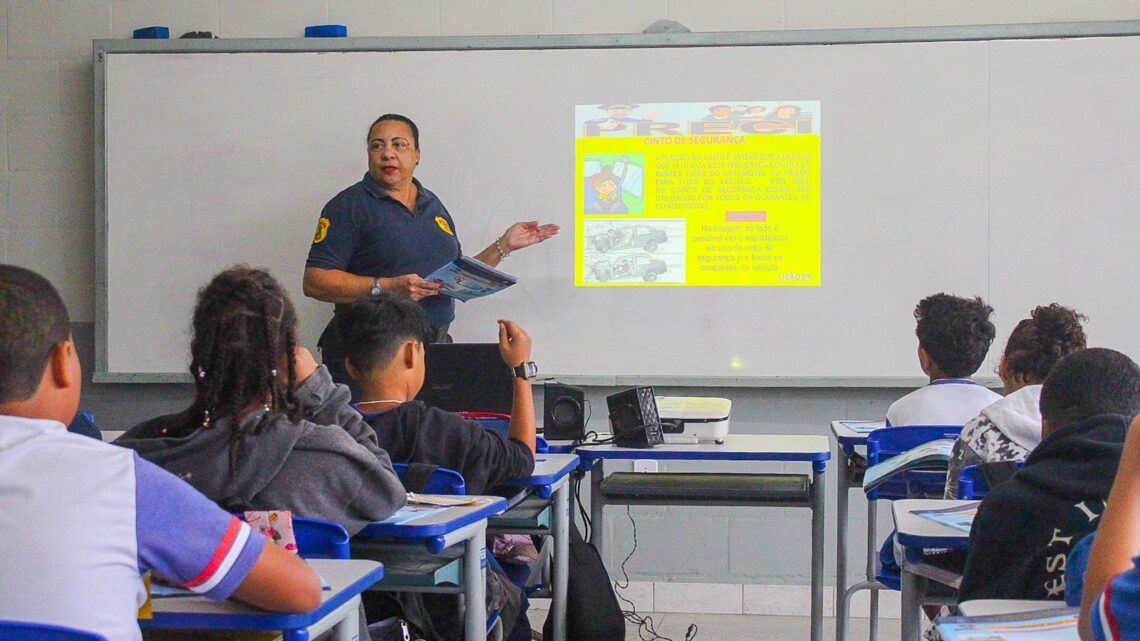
<point x="502" y="423"/>
<point x="883" y="444"/>
<point x="84" y="423"/>
<point x="320" y="539"/>
<point x="19" y="631"/>
<point x="441" y="481"/>
<point x="972" y="483"/>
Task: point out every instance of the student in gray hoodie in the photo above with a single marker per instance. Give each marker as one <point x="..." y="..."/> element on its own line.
<point x="1009" y="428"/>
<point x="268" y="428"/>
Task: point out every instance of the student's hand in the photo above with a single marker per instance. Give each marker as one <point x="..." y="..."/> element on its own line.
<point x="306" y="364"/>
<point x="412" y="286"/>
<point x="514" y="343"/>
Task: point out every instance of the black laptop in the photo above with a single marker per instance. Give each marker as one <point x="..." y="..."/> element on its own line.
<point x="466" y="377"/>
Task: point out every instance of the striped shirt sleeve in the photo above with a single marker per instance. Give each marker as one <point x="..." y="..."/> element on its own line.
<point x="185" y="537"/>
<point x="1116" y="613"/>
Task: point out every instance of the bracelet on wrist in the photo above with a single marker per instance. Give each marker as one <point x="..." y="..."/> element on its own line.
<point x="503" y="252"/>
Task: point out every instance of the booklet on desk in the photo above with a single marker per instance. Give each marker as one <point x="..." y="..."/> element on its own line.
<point x="465" y="278"/>
<point x="933" y="454"/>
<point x="1059" y="624"/>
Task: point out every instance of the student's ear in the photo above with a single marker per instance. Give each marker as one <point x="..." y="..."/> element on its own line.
<point x="1046" y="427"/>
<point x="924" y="360"/>
<point x="63" y="366"/>
<point x="412" y="354"/>
<point x="352" y="371"/>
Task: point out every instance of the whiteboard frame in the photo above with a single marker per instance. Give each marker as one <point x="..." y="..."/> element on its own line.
<point x="103" y="48"/>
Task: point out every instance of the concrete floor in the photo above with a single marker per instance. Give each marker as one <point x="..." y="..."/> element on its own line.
<point x="735" y="627"/>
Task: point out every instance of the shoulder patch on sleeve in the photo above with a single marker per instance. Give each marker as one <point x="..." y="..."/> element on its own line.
<point x="322" y="230"/>
<point x="442" y="222"/>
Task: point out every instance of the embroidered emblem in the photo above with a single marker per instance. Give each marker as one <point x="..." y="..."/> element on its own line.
<point x="322" y="230"/>
<point x="442" y="222"/>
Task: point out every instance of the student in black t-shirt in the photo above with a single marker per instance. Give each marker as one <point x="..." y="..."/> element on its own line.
<point x="384" y="339"/>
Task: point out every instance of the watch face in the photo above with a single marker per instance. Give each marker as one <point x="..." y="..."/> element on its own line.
<point x="527" y="370"/>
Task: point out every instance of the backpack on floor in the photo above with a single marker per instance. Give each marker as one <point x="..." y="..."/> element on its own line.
<point x="592" y="610"/>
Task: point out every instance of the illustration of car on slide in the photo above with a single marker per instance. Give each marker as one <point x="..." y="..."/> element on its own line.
<point x="630" y="237"/>
<point x="644" y="267"/>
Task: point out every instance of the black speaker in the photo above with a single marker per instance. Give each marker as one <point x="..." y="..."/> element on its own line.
<point x="563" y="413"/>
<point x="634" y="419"/>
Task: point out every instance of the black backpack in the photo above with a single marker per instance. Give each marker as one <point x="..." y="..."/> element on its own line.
<point x="592" y="610"/>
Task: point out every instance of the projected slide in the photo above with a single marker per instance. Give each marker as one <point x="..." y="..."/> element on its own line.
<point x="698" y="194"/>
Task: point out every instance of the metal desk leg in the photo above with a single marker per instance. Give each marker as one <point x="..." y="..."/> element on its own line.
<point x="597" y="507"/>
<point x="561" y="569"/>
<point x="913" y="590"/>
<point x="843" y="486"/>
<point x="818" y="505"/>
<point x="348" y="629"/>
<point x="475" y="585"/>
<point x="872" y="555"/>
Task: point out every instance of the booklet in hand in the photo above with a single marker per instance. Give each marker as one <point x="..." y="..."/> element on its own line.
<point x="465" y="278"/>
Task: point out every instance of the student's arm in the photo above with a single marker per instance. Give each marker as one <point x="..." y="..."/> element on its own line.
<point x="324" y="402"/>
<point x="280" y="582"/>
<point x="514" y="345"/>
<point x="1118" y="536"/>
<point x="186" y="538"/>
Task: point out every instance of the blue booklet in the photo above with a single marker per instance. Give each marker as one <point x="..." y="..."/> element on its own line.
<point x="465" y="278"/>
<point x="1059" y="624"/>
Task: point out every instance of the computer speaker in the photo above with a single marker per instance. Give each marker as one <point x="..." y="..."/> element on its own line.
<point x="563" y="413"/>
<point x="634" y="419"/>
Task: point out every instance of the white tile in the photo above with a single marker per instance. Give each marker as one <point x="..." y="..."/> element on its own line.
<point x="50" y="199"/>
<point x="495" y="17"/>
<point x="51" y="143"/>
<point x="639" y="593"/>
<point x="180" y="16"/>
<point x="56" y="29"/>
<point x="270" y="18"/>
<point x="829" y="14"/>
<point x="386" y="17"/>
<point x="1025" y="11"/>
<point x="784" y="600"/>
<point x="29" y="86"/>
<point x="76" y="87"/>
<point x="709" y="598"/>
<point x="29" y="29"/>
<point x="606" y="16"/>
<point x="728" y="15"/>
<point x="920" y="13"/>
<point x="66" y="257"/>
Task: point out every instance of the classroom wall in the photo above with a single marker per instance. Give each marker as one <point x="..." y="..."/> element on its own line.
<point x="47" y="211"/>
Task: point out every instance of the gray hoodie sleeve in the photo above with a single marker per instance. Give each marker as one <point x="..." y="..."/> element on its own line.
<point x="326" y="403"/>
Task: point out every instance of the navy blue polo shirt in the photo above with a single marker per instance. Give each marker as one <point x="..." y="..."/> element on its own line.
<point x="366" y="232"/>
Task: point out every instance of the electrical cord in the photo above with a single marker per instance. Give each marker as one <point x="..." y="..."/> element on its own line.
<point x="644" y="623"/>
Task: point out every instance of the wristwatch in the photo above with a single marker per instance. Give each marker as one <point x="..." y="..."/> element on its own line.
<point x="376" y="289"/>
<point x="526" y="371"/>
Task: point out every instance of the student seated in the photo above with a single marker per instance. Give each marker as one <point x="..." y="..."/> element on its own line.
<point x="268" y="428"/>
<point x="1110" y="603"/>
<point x="954" y="335"/>
<point x="1025" y="527"/>
<point x="81" y="519"/>
<point x="384" y="337"/>
<point x="1009" y="428"/>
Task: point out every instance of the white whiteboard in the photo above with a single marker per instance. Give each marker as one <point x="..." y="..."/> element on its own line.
<point x="1005" y="169"/>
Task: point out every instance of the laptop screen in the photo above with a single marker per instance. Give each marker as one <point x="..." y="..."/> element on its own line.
<point x="466" y="377"/>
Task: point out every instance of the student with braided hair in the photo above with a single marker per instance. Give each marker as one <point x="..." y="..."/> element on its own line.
<point x="268" y="428"/>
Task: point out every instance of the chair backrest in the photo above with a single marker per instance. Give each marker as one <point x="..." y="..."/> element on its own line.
<point x="502" y="423"/>
<point x="320" y="539"/>
<point x="972" y="482"/>
<point x="19" y="631"/>
<point x="442" y="480"/>
<point x="84" y="423"/>
<point x="884" y="443"/>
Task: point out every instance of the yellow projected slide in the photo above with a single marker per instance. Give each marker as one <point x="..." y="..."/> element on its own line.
<point x="698" y="194"/>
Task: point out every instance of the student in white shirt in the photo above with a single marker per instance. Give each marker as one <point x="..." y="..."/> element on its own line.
<point x="954" y="335"/>
<point x="82" y="520"/>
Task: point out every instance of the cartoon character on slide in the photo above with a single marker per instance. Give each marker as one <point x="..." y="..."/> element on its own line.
<point x="606" y="188"/>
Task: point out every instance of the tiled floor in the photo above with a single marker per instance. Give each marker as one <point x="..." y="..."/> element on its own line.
<point x="735" y="627"/>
